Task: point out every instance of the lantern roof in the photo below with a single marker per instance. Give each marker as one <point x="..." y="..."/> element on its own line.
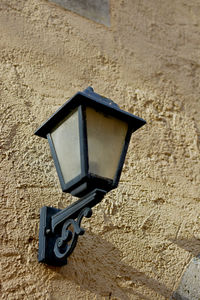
<point x="89" y="98"/>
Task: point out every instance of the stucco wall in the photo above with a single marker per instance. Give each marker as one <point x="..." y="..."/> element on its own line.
<point x="143" y="235"/>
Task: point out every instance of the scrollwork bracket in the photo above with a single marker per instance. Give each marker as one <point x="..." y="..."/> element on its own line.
<point x="60" y="229"/>
<point x="65" y="244"/>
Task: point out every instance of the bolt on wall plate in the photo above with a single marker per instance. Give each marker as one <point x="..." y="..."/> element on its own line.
<point x="96" y="10"/>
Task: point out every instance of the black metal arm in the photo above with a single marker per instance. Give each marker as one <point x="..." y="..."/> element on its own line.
<point x="56" y="240"/>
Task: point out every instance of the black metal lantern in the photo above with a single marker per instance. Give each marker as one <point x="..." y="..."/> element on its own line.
<point x="88" y="138"/>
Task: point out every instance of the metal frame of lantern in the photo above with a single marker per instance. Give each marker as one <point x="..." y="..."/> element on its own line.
<point x="56" y="240"/>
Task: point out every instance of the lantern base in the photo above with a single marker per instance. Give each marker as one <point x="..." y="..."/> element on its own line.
<point x="56" y="240"/>
<point x="81" y="186"/>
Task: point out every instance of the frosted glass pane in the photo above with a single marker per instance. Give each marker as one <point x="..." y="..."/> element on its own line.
<point x="106" y="137"/>
<point x="67" y="146"/>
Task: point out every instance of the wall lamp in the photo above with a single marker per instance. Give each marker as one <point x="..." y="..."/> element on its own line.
<point x="88" y="137"/>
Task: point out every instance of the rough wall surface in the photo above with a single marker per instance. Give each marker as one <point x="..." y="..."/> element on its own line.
<point x="143" y="235"/>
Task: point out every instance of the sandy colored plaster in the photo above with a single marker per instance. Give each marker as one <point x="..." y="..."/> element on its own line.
<point x="143" y="234"/>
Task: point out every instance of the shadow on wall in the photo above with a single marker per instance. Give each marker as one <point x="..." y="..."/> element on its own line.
<point x="190" y="245"/>
<point x="189" y="283"/>
<point x="177" y="296"/>
<point x="96" y="266"/>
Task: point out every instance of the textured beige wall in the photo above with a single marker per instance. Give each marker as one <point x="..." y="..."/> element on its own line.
<point x="142" y="236"/>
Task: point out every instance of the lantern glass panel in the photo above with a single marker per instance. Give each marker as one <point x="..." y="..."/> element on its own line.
<point x="106" y="136"/>
<point x="66" y="142"/>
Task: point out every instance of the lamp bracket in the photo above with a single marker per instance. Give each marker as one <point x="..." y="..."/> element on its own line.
<point x="56" y="239"/>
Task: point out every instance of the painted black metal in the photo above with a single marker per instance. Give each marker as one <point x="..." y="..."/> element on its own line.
<point x="83" y="140"/>
<point x="56" y="241"/>
<point x="62" y="247"/>
<point x="85" y="181"/>
<point x="90" y="200"/>
<point x="94" y="100"/>
<point x="56" y="162"/>
<point x="122" y="158"/>
<point x="75" y="182"/>
<point x="46" y="239"/>
<point x="90" y="92"/>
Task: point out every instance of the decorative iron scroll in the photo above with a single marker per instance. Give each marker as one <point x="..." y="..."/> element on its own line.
<point x="63" y="247"/>
<point x="60" y="229"/>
